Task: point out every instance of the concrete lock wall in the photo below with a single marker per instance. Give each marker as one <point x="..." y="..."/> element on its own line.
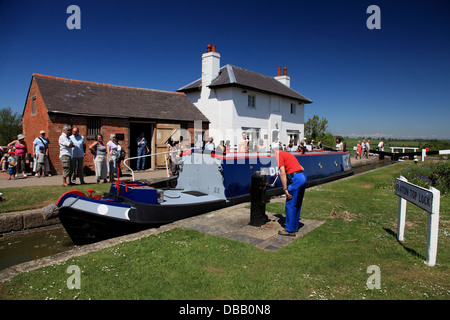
<point x="19" y="221"/>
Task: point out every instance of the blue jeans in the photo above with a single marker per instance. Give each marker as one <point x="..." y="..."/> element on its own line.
<point x="293" y="207"/>
<point x="140" y="152"/>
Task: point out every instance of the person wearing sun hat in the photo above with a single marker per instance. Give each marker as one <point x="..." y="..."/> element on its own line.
<point x="293" y="180"/>
<point x="20" y="150"/>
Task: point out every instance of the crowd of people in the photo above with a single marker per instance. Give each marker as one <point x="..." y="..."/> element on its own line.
<point x="72" y="151"/>
<point x="363" y="148"/>
<point x="107" y="156"/>
<point x="244" y="145"/>
<point x="15" y="157"/>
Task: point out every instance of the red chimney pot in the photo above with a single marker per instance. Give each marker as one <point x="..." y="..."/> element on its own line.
<point x="208" y="48"/>
<point x="285" y="71"/>
<point x="279" y="71"/>
<point x="213" y="48"/>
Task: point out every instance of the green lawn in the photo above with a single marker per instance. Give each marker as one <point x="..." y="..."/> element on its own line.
<point x="330" y="262"/>
<point x="27" y="198"/>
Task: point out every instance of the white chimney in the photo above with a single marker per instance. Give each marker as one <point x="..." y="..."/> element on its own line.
<point x="210" y="65"/>
<point x="284" y="79"/>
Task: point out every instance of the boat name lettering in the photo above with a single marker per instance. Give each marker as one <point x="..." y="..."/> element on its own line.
<point x="274" y="171"/>
<point x="271" y="171"/>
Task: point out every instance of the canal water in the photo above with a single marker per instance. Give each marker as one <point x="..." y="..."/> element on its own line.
<point x="44" y="242"/>
<point x="34" y="244"/>
<point x="372" y="166"/>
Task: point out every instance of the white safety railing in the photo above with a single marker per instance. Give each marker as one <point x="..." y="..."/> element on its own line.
<point x="150" y="155"/>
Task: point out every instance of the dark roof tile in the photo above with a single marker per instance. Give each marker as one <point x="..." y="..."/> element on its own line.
<point x="95" y="99"/>
<point x="235" y="76"/>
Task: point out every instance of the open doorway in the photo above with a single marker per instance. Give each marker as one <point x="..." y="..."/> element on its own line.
<point x="253" y="135"/>
<point x="294" y="135"/>
<point x="136" y="128"/>
<point x="164" y="132"/>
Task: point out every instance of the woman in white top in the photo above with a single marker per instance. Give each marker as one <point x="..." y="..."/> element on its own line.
<point x="113" y="154"/>
<point x="290" y="147"/>
<point x="339" y="145"/>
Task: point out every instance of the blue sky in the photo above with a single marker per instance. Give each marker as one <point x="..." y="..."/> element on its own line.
<point x="391" y="82"/>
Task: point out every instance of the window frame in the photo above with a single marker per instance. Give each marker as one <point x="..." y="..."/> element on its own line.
<point x="293" y="108"/>
<point x="251" y="101"/>
<point x="93" y="128"/>
<point x="34" y="104"/>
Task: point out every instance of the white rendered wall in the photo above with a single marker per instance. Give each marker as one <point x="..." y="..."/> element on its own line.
<point x="227" y="108"/>
<point x="228" y="111"/>
<point x="210" y="67"/>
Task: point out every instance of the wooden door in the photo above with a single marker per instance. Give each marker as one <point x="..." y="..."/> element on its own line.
<point x="164" y="132"/>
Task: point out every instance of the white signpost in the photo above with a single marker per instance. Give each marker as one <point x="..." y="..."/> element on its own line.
<point x="427" y="199"/>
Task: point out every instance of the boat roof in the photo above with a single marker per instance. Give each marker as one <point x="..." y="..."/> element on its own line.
<point x="245" y="155"/>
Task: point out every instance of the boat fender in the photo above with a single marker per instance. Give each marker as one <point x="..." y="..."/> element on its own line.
<point x="50" y="212"/>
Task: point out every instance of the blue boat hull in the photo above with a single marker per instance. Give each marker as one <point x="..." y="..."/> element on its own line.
<point x="206" y="182"/>
<point x="319" y="167"/>
<point x="86" y="226"/>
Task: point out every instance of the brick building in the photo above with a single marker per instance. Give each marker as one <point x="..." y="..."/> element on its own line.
<point x="101" y="108"/>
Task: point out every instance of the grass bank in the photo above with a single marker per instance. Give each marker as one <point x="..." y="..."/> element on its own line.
<point x="27" y="198"/>
<point x="330" y="262"/>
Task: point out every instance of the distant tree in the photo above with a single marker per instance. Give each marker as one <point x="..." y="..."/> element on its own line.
<point x="10" y="125"/>
<point x="316" y="128"/>
<point x="329" y="140"/>
<point x="435" y="144"/>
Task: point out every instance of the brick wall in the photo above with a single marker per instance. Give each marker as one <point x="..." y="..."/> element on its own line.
<point x="109" y="126"/>
<point x="53" y="124"/>
<point x="32" y="124"/>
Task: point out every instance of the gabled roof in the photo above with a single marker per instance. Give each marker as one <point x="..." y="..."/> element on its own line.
<point x="230" y="75"/>
<point x="95" y="99"/>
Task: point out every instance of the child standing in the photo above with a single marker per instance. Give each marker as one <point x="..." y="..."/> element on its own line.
<point x="40" y="163"/>
<point x="12" y="165"/>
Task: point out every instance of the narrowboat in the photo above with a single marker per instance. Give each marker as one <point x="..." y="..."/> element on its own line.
<point x="206" y="181"/>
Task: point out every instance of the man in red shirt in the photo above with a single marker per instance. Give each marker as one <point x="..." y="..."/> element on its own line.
<point x="293" y="180"/>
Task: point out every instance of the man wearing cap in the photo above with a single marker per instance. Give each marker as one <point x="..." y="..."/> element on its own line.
<point x="293" y="180"/>
<point x="39" y="142"/>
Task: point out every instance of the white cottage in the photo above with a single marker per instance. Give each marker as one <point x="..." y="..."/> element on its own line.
<point x="237" y="100"/>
